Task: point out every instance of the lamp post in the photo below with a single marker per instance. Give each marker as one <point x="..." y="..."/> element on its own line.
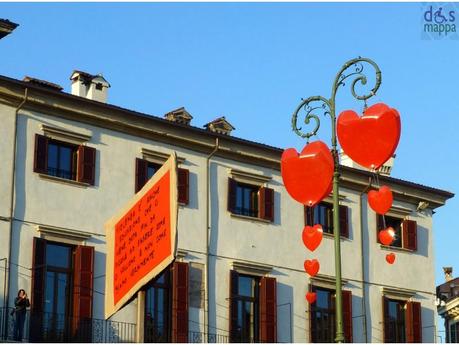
<point x="327" y="106"/>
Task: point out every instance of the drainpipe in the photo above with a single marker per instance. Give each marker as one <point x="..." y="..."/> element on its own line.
<point x="364" y="297"/>
<point x="208" y="229"/>
<point x="13" y="181"/>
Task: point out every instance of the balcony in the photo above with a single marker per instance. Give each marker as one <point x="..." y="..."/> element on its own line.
<point x="51" y="328"/>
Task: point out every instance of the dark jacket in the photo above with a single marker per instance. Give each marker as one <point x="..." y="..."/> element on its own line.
<point x="21" y="304"/>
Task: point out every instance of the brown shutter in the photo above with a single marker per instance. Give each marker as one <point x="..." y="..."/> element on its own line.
<point x="183" y="185"/>
<point x="267" y="203"/>
<point x="413" y="322"/>
<point x="347" y="315"/>
<point x="268" y="309"/>
<point x="309" y="215"/>
<point x="83" y="277"/>
<point x="38" y="288"/>
<point x="410" y="238"/>
<point x="232" y="186"/>
<point x="180" y="302"/>
<point x="343" y="221"/>
<point x="40" y="163"/>
<point x="141" y="167"/>
<point x="385" y="324"/>
<point x="233" y="290"/>
<point x="379" y="226"/>
<point x="86" y="171"/>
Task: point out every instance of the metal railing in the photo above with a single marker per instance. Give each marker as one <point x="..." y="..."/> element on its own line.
<point x="50" y="327"/>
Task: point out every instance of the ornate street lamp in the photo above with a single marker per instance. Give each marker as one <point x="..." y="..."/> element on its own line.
<point x="327" y="106"/>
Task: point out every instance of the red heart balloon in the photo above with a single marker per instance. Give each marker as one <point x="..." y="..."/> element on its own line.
<point x="386" y="236"/>
<point x="380" y="201"/>
<point x="369" y="140"/>
<point x="390" y="258"/>
<point x="311" y="297"/>
<point x="312" y="236"/>
<point x="311" y="267"/>
<point x="308" y="176"/>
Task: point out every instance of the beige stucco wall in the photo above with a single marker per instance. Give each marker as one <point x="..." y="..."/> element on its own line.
<point x="41" y="201"/>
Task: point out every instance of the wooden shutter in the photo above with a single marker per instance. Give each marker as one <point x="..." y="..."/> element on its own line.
<point x="413" y="322"/>
<point x="83" y="277"/>
<point x="86" y="170"/>
<point x="183" y="185"/>
<point x="309" y="215"/>
<point x="233" y="290"/>
<point x="268" y="310"/>
<point x="379" y="226"/>
<point x="141" y="167"/>
<point x="40" y="163"/>
<point x="38" y="288"/>
<point x="232" y="186"/>
<point x="267" y="203"/>
<point x="343" y="221"/>
<point x="410" y="238"/>
<point x="180" y="302"/>
<point x="385" y="324"/>
<point x="347" y="316"/>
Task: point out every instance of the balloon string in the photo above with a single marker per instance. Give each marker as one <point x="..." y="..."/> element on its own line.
<point x="376" y="174"/>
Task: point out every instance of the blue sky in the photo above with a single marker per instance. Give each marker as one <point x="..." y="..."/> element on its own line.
<point x="252" y="63"/>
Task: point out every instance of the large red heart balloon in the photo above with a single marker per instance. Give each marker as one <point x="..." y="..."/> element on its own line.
<point x="369" y="140"/>
<point x="312" y="236"/>
<point x="308" y="176"/>
<point x="390" y="258"/>
<point x="386" y="236"/>
<point x="380" y="201"/>
<point x="311" y="297"/>
<point x="311" y="267"/>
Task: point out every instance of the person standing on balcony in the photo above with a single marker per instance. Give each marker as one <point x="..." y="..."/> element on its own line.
<point x="21" y="304"/>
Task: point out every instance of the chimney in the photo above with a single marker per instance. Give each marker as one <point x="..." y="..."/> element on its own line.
<point x="448" y="273"/>
<point x="179" y="115"/>
<point x="220" y="126"/>
<point x="385" y="169"/>
<point x="90" y="86"/>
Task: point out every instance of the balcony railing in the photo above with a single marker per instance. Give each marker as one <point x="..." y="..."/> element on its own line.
<point x="50" y="327"/>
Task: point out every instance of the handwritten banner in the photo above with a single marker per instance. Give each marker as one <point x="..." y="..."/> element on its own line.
<point x="141" y="238"/>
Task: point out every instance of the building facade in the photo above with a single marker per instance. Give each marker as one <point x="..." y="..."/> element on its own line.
<point x="71" y="161"/>
<point x="448" y="305"/>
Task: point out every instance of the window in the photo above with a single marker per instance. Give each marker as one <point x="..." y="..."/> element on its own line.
<point x="158" y="309"/>
<point x="322" y="214"/>
<point x="144" y="170"/>
<point x="402" y="321"/>
<point x="322" y="314"/>
<point x="166" y="306"/>
<point x="253" y="307"/>
<point x="64" y="160"/>
<point x="250" y="200"/>
<point x="454" y="333"/>
<point x="405" y="231"/>
<point x="62" y="280"/>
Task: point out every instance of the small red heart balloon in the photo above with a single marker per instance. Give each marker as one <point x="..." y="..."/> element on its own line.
<point x="308" y="176"/>
<point x="380" y="201"/>
<point x="311" y="267"/>
<point x="312" y="236"/>
<point x="386" y="236"/>
<point x="311" y="297"/>
<point x="369" y="140"/>
<point x="390" y="258"/>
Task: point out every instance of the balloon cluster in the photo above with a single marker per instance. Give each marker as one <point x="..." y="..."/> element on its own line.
<point x="369" y="140"/>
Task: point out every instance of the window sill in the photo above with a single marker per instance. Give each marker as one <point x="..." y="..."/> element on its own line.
<point x="256" y="219"/>
<point x="397" y="249"/>
<point x="64" y="180"/>
<point x="326" y="234"/>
